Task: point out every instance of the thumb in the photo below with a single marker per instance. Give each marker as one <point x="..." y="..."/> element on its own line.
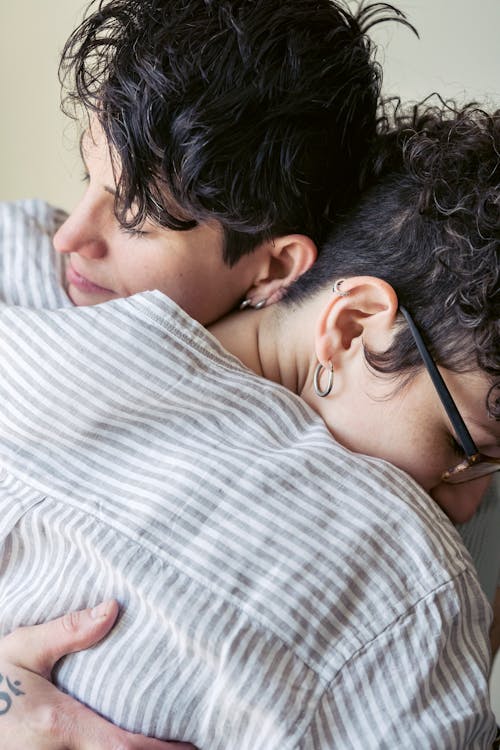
<point x="39" y="647"/>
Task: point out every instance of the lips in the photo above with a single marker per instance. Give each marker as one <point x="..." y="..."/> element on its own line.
<point x="84" y="284"/>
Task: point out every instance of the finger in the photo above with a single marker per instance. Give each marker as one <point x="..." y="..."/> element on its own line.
<point x="38" y="647"/>
<point x="146" y="743"/>
<point x="140" y="742"/>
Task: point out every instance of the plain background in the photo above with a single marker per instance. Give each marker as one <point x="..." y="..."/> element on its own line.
<point x="456" y="55"/>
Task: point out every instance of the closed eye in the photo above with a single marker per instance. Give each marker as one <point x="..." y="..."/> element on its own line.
<point x="132" y="232"/>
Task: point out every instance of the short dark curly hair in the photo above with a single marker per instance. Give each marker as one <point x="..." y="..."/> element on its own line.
<point x="429" y="225"/>
<point x="254" y="113"/>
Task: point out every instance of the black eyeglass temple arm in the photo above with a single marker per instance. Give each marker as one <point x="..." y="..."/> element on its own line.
<point x="454" y="415"/>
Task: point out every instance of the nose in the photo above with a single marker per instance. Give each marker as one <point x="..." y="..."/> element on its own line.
<point x="82" y="232"/>
<point x="460" y="501"/>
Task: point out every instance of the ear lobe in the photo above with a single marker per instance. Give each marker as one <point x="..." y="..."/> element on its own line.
<point x="288" y="257"/>
<point x="363" y="315"/>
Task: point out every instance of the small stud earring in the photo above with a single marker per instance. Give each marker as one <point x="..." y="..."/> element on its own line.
<point x="336" y="289"/>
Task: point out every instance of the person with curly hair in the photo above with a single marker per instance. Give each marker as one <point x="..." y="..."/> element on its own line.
<point x="264" y="497"/>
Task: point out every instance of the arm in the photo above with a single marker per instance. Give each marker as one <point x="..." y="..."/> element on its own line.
<point x="33" y="713"/>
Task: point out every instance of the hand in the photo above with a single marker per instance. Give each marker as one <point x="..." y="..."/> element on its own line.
<point x="34" y="714"/>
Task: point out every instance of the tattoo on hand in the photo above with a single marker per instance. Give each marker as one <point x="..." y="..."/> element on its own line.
<point x="6" y="698"/>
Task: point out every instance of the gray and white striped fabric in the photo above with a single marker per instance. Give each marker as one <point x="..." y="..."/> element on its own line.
<point x="30" y="275"/>
<point x="277" y="591"/>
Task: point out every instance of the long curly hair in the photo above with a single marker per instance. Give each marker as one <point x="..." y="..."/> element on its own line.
<point x="240" y="111"/>
<point x="429" y="224"/>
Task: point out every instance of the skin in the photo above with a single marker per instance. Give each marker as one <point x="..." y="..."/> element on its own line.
<point x="366" y="412"/>
<point x="104" y="261"/>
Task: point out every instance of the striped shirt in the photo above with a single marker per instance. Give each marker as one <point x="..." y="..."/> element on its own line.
<point x="277" y="591"/>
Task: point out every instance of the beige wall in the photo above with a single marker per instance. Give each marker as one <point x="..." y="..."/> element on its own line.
<point x="457" y="55"/>
<point x="35" y="157"/>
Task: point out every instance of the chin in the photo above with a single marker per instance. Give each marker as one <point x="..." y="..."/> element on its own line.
<point x="461" y="501"/>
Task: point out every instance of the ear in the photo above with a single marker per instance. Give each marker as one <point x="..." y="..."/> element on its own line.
<point x="362" y="314"/>
<point x="287" y="258"/>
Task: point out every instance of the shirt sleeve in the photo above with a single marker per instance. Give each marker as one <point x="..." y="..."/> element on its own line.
<point x="30" y="269"/>
<point x="423" y="682"/>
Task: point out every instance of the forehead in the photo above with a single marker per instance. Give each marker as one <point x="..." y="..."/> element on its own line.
<point x="102" y="162"/>
<point x="96" y="153"/>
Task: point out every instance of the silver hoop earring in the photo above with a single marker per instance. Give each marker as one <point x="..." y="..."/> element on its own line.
<point x="336" y="289"/>
<point x="317" y="377"/>
<point x="249" y="303"/>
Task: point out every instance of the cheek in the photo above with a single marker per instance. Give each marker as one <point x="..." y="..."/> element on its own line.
<point x="186" y="284"/>
<point x="141" y="269"/>
<point x="460" y="501"/>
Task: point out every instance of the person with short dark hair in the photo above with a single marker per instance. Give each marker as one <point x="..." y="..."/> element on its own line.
<point x="249" y="118"/>
<point x="211" y="133"/>
<point x="286" y="573"/>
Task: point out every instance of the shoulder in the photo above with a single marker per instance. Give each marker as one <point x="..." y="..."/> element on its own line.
<point x="30" y="271"/>
<point x="31" y="216"/>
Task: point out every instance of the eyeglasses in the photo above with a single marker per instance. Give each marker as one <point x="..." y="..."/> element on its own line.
<point x="475" y="464"/>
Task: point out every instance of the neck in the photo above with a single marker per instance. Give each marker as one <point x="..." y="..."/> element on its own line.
<point x="276" y="342"/>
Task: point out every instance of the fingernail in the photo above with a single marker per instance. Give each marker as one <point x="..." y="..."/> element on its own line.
<point x="101" y="611"/>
